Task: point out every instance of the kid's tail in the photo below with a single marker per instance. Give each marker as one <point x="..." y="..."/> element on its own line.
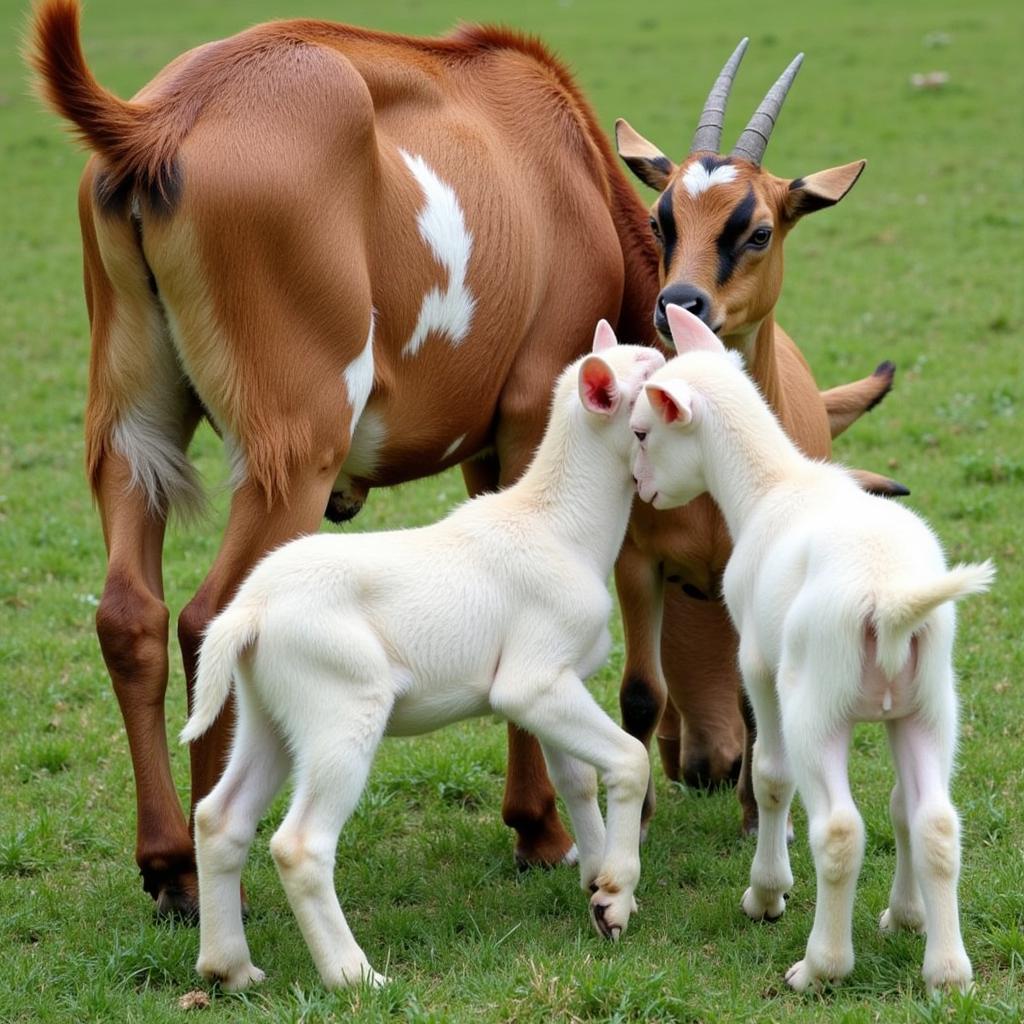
<point x="900" y="612"/>
<point x="227" y="637"/>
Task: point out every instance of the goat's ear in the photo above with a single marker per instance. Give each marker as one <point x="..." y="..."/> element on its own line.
<point x="826" y="188"/>
<point x="690" y="333"/>
<point x="604" y="337"/>
<point x="643" y="158"/>
<point x="672" y="402"/>
<point x="598" y="386"/>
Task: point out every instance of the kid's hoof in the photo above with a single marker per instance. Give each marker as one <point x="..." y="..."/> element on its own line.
<point x="758" y="909"/>
<point x="233" y="979"/>
<point x="948" y="973"/>
<point x="610" y="913"/>
<point x="800" y="977"/>
<point x="354" y="975"/>
<point x="896" y="919"/>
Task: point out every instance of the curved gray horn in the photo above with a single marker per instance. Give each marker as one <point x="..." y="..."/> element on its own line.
<point x="754" y="140"/>
<point x="708" y="137"/>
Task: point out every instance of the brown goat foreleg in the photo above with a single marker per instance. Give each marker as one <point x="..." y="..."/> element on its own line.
<point x="699" y="655"/>
<point x="131" y="622"/>
<point x="642" y="695"/>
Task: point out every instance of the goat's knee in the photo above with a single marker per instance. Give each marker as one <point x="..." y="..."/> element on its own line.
<point x="838" y="844"/>
<point x="302" y="864"/>
<point x="223" y="833"/>
<point x="631" y="771"/>
<point x="192" y="622"/>
<point x="132" y="628"/>
<point x="642" y="701"/>
<point x="937" y="838"/>
<point x="772" y="780"/>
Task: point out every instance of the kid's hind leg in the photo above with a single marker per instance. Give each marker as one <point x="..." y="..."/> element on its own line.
<point x="334" y="750"/>
<point x="773" y="786"/>
<point x="905" y="908"/>
<point x="837" y="842"/>
<point x="226" y="822"/>
<point x="923" y="751"/>
<point x="576" y="782"/>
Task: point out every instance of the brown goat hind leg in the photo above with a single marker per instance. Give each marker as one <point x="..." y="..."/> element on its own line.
<point x="131" y="622"/>
<point x="642" y="695"/>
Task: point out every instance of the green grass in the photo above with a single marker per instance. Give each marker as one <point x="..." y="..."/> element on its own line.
<point x="921" y="263"/>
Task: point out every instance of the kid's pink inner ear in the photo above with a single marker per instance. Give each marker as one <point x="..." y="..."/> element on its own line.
<point x="689" y="332"/>
<point x="668" y="408"/>
<point x="604" y="337"/>
<point x="598" y="386"/>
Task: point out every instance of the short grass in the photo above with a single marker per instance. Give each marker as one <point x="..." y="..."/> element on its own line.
<point x="921" y="264"/>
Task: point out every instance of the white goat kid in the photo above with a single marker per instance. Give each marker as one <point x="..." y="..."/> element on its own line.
<point x="842" y="603"/>
<point x="502" y="607"/>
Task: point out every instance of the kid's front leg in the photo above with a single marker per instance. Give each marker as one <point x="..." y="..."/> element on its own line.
<point x="576" y="782"/>
<point x="563" y="715"/>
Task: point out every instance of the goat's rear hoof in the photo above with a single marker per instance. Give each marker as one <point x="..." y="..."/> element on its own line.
<point x="896" y="919"/>
<point x="177" y="899"/>
<point x="759" y="909"/>
<point x="948" y="973"/>
<point x="549" y="850"/>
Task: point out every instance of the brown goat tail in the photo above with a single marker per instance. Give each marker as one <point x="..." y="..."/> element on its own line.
<point x="122" y="133"/>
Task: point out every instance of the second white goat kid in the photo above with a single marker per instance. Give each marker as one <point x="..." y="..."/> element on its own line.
<point x="336" y="640"/>
<point x="842" y="602"/>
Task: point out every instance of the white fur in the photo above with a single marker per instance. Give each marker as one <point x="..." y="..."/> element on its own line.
<point x="842" y="603"/>
<point x="150" y="435"/>
<point x="335" y="640"/>
<point x="367" y="444"/>
<point x="453" y="447"/>
<point x="697" y="178"/>
<point x="443" y="227"/>
<point x="359" y="378"/>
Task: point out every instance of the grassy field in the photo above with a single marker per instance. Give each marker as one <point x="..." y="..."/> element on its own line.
<point x="921" y="264"/>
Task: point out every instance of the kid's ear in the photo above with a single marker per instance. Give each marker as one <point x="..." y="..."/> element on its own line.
<point x="598" y="387"/>
<point x="672" y="402"/>
<point x="643" y="158"/>
<point x="604" y="337"/>
<point x="826" y="188"/>
<point x="690" y="333"/>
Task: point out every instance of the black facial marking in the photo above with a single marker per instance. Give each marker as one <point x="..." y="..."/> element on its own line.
<point x="667" y="220"/>
<point x="640" y="706"/>
<point x="691" y="591"/>
<point x="651" y="170"/>
<point x="735" y="228"/>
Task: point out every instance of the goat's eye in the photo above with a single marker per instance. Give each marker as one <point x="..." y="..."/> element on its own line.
<point x="655" y="228"/>
<point x="760" y="238"/>
<point x="640" y="435"/>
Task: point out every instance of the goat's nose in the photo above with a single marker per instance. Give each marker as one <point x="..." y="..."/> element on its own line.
<point x="693" y="299"/>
